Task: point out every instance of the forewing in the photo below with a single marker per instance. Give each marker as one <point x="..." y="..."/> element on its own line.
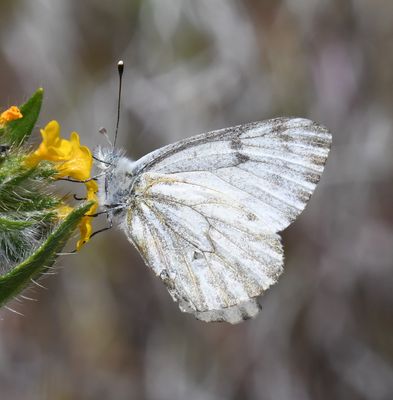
<point x="272" y="165"/>
<point x="205" y="212"/>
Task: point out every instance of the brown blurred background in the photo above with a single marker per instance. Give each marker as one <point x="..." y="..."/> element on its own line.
<point x="105" y="327"/>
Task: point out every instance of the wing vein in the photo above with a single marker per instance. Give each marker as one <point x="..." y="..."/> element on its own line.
<point x="251" y="195"/>
<point x="242" y="249"/>
<point x="162" y="220"/>
<point x="223" y="296"/>
<point x="289" y="204"/>
<point x="287" y="178"/>
<point x="235" y="227"/>
<point x="275" y="157"/>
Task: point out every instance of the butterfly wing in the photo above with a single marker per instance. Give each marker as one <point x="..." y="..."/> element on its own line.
<point x="205" y="212"/>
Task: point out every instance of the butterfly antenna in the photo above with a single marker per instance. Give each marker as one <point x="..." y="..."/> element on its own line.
<point x="120" y="69"/>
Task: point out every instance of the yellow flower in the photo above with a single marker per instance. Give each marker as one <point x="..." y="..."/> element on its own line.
<point x="92" y="189"/>
<point x="10" y="115"/>
<point x="80" y="160"/>
<point x="85" y="229"/>
<point x="53" y="147"/>
<point x="70" y="158"/>
<point x="85" y="226"/>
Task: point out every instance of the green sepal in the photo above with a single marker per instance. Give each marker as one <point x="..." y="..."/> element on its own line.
<point x="10" y="224"/>
<point x="17" y="131"/>
<point x="14" y="281"/>
<point x="22" y="188"/>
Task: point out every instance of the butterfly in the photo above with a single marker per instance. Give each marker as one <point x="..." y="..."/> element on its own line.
<point x="205" y="213"/>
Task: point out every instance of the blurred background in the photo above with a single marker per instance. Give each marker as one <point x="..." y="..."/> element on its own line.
<point x="105" y="327"/>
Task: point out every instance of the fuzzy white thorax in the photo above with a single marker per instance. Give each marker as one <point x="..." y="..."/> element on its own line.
<point x="115" y="179"/>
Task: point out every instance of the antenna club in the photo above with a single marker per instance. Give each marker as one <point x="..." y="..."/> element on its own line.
<point x="120" y="66"/>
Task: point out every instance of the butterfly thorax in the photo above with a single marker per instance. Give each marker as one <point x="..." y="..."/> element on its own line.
<point x="115" y="181"/>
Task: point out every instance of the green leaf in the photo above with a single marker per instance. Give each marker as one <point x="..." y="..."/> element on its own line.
<point x="14" y="281"/>
<point x="17" y="131"/>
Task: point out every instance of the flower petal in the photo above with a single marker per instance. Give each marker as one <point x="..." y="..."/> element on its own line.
<point x="86" y="230"/>
<point x="63" y="211"/>
<point x="11" y="114"/>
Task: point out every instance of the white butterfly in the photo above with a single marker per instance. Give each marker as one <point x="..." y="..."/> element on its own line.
<point x="205" y="212"/>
